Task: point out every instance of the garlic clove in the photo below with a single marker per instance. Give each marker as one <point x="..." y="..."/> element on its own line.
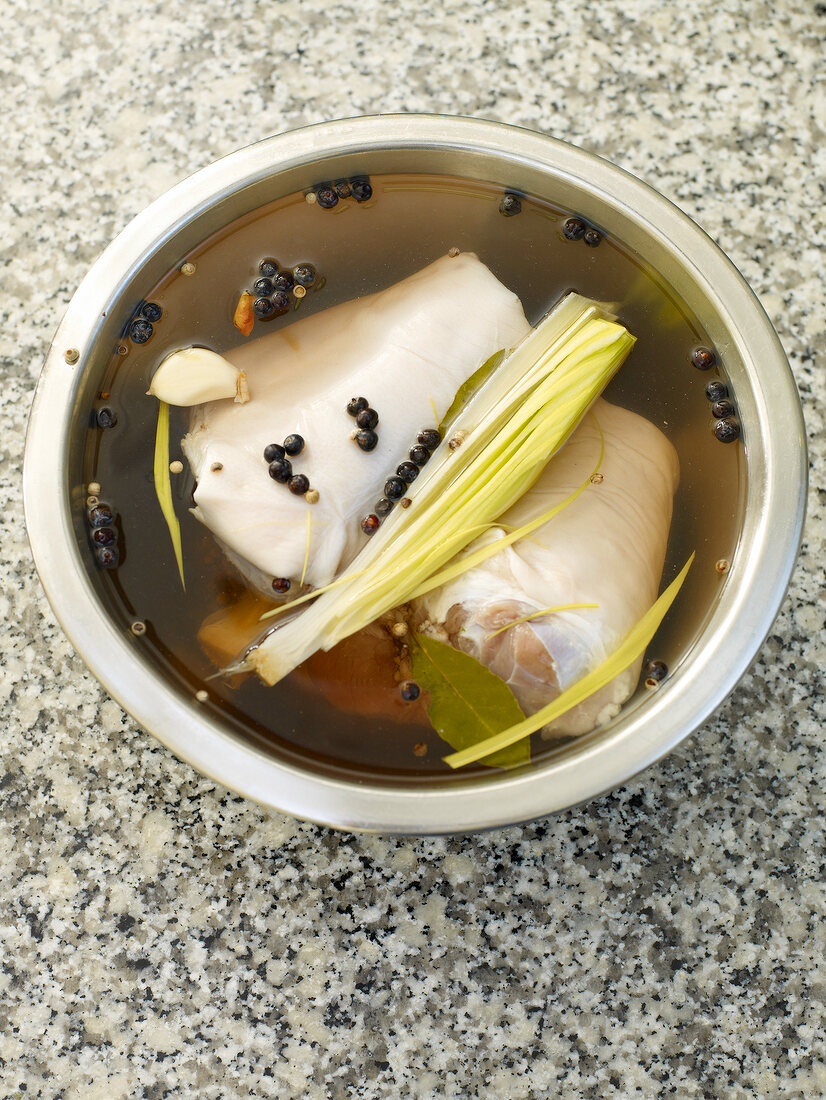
<point x="193" y="376"/>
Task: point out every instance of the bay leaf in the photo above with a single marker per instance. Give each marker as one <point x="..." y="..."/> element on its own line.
<point x="468" y="704"/>
<point x="469" y="387"/>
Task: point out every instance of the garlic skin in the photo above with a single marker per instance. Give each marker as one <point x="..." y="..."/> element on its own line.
<point x="194" y="376"/>
<point x="242" y="390"/>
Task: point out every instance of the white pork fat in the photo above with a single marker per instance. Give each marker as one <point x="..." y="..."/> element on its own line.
<point x="406" y="349"/>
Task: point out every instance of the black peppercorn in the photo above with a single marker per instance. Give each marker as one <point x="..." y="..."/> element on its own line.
<point x="273" y="451"/>
<point x="395" y="488"/>
<point x="727" y="430"/>
<point x="429" y="438"/>
<point x="343" y="189"/>
<point x="356" y="404"/>
<point x="107" y="556"/>
<point x="140" y="331"/>
<point x="262" y="288"/>
<point x="299" y="484"/>
<point x="103" y="536"/>
<point x="510" y="205"/>
<point x="716" y="391"/>
<point x="326" y="196"/>
<point x="304" y="274"/>
<point x="410" y="691"/>
<point x="367" y="440"/>
<point x="106" y="417"/>
<point x="281" y="301"/>
<point x="151" y="311"/>
<point x="101" y="515"/>
<point x="574" y="229"/>
<point x="263" y="308"/>
<point x="367" y="418"/>
<point x="656" y="670"/>
<point x="281" y="470"/>
<point x="384" y="506"/>
<point x="408" y="471"/>
<point x="703" y="358"/>
<point x="370" y="524"/>
<point x="361" y="189"/>
<point x="721" y="409"/>
<point x="281" y="585"/>
<point x="294" y="445"/>
<point x="592" y="237"/>
<point x="419" y="454"/>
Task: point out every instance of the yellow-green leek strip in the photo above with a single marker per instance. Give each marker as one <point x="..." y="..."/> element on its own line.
<point x="340" y="580"/>
<point x="307" y="548"/>
<point x="538" y="615"/>
<point x="308" y="596"/>
<point x="631" y="648"/>
<point x="163" y="485"/>
<point x="476" y="557"/>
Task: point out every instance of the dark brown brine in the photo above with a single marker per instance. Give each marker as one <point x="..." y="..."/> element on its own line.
<point x="355" y="249"/>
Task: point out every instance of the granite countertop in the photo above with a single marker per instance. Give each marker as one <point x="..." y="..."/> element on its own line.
<point x="161" y="937"/>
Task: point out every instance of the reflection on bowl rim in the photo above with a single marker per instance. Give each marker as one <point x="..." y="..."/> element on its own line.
<point x="712" y="287"/>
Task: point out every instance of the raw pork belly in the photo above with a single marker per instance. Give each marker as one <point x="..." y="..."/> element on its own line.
<point x="406" y="349"/>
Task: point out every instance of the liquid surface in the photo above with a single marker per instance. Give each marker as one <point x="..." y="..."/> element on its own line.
<point x="360" y="248"/>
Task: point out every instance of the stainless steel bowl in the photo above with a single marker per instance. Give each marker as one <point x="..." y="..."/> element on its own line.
<point x="730" y="629"/>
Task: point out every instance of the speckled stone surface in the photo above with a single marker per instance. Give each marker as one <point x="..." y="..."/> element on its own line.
<point x="160" y="937"/>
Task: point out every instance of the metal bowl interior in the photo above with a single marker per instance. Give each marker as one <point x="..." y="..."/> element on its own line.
<point x="727" y="625"/>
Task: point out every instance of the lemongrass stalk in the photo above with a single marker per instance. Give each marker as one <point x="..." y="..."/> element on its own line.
<point x="631" y="648"/>
<point x="462" y="497"/>
<point x="508" y="475"/>
<point x="509" y="430"/>
<point x="492" y="405"/>
<point x="483" y="483"/>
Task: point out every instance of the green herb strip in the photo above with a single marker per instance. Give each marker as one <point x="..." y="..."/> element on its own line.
<point x="469" y="388"/>
<point x="163" y="485"/>
<point x="468" y="703"/>
<point x="633" y="646"/>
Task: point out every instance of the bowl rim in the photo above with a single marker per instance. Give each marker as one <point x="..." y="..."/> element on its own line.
<point x="743" y="616"/>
